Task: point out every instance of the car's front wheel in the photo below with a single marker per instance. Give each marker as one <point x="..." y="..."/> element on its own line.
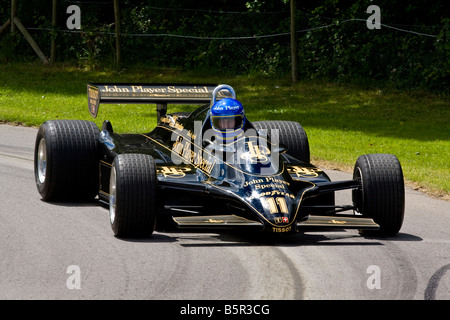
<point x="132" y="200"/>
<point x="382" y="192"/>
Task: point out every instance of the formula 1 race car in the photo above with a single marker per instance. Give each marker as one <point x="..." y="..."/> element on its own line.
<point x="183" y="174"/>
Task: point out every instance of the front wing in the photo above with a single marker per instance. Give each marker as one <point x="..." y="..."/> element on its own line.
<point x="309" y="222"/>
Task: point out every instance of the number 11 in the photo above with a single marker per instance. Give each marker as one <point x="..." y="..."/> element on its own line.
<point x="277" y="205"/>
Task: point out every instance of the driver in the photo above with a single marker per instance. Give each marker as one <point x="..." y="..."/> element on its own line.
<point x="227" y="119"/>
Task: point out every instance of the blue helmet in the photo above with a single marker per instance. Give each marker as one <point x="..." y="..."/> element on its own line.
<point x="227" y="119"/>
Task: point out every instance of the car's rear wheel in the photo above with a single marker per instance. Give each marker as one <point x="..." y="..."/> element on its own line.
<point x="290" y="134"/>
<point x="382" y="192"/>
<point x="66" y="160"/>
<point x="132" y="204"/>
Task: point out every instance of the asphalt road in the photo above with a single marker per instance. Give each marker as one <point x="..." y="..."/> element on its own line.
<point x="67" y="251"/>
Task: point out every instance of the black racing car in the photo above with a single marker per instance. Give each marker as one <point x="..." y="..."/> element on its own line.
<point x="179" y="175"/>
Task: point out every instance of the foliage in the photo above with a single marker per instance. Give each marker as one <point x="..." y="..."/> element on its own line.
<point x="229" y="36"/>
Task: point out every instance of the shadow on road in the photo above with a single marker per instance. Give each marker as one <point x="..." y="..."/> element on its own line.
<point x="241" y="239"/>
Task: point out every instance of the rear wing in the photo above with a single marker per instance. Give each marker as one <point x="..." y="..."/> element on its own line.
<point x="159" y="94"/>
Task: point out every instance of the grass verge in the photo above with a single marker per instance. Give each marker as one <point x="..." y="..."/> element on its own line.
<point x="342" y="121"/>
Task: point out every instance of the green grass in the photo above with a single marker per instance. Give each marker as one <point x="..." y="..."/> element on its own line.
<point x="342" y="121"/>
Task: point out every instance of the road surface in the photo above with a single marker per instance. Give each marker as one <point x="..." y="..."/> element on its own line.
<point x="68" y="251"/>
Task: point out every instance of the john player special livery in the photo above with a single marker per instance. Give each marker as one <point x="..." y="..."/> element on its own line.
<point x="211" y="168"/>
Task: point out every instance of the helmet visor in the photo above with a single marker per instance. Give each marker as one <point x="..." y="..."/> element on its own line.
<point x="224" y="123"/>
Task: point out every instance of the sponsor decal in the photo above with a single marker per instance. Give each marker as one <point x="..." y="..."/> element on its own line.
<point x="285" y="229"/>
<point x="173" y="172"/>
<point x="256" y="153"/>
<point x="279" y="220"/>
<point x="338" y="221"/>
<point x="304" y="172"/>
<point x="182" y="148"/>
<point x="157" y="90"/>
<point x="93" y="100"/>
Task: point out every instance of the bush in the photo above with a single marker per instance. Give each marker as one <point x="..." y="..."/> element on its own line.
<point x="333" y="40"/>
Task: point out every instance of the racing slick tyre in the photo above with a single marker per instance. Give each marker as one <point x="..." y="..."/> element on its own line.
<point x="382" y="193"/>
<point x="66" y="160"/>
<point x="291" y="134"/>
<point x="132" y="200"/>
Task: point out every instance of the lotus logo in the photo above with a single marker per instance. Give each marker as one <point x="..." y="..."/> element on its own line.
<point x="256" y="153"/>
<point x="173" y="172"/>
<point x="304" y="172"/>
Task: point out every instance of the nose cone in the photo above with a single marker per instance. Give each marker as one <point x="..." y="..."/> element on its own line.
<point x="274" y="200"/>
